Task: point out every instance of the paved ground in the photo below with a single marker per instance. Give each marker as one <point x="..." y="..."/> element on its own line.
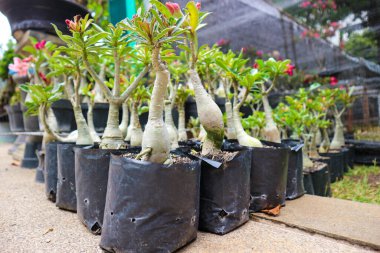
<point x="337" y="218"/>
<point x="30" y="223"/>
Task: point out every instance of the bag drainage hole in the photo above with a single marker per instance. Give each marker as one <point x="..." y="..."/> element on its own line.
<point x="133" y="220"/>
<point x="111" y="213"/>
<point x="223" y="214"/>
<point x="85" y="201"/>
<point x="63" y="179"/>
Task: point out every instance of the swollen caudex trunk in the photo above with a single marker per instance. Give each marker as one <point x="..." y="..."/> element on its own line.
<point x="124" y="122"/>
<point x="271" y="132"/>
<point x="318" y="137"/>
<point x="84" y="135"/>
<point x="136" y="131"/>
<point x="129" y="130"/>
<point x="338" y="139"/>
<point x="243" y="138"/>
<point x="90" y="122"/>
<point x="325" y="144"/>
<point x="313" y="152"/>
<point x="231" y="132"/>
<point x="210" y="116"/>
<point x="172" y="131"/>
<point x="307" y="163"/>
<point x="112" y="136"/>
<point x="156" y="137"/>
<point x="182" y="135"/>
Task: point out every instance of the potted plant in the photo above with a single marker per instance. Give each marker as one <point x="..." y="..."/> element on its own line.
<point x="174" y="181"/>
<point x="88" y="42"/>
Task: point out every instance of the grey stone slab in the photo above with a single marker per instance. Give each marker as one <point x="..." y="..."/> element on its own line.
<point x="354" y="222"/>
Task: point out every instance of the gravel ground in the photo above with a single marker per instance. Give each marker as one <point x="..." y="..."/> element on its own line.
<point x="31" y="223"/>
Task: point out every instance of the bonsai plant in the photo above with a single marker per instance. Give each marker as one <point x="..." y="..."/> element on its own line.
<point x="152" y="30"/>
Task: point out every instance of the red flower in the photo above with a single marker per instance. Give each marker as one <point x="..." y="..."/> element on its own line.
<point x="255" y="65"/>
<point x="198" y="5"/>
<point x="43" y="77"/>
<point x="304" y="33"/>
<point x="259" y="53"/>
<point x="222" y="42"/>
<point x="305" y="4"/>
<point x="289" y="69"/>
<point x="174" y="9"/>
<point x="40" y="45"/>
<point x="316" y="35"/>
<point x="333" y="81"/>
<point x="334" y="24"/>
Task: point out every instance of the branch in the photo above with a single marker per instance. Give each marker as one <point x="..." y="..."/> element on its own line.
<point x="133" y="86"/>
<point x="272" y="85"/>
<point x="103" y="86"/>
<point x="240" y="104"/>
<point x="116" y="85"/>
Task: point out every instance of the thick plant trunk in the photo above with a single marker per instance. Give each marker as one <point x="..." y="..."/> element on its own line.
<point x="112" y="136"/>
<point x="172" y="131"/>
<point x="243" y="138"/>
<point x="125" y="119"/>
<point x="313" y="151"/>
<point x="90" y="122"/>
<point x="231" y="132"/>
<point x="129" y="129"/>
<point x="338" y="140"/>
<point x="307" y="163"/>
<point x="318" y="137"/>
<point x="156" y="137"/>
<point x="136" y="131"/>
<point x="84" y="135"/>
<point x="325" y="145"/>
<point x="210" y="116"/>
<point x="271" y="132"/>
<point x="182" y="135"/>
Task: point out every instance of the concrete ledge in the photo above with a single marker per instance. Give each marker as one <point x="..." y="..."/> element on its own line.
<point x="357" y="223"/>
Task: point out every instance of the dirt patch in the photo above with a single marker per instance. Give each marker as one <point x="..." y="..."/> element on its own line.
<point x="316" y="167"/>
<point x="176" y="159"/>
<point x="374" y="180"/>
<point x="222" y="156"/>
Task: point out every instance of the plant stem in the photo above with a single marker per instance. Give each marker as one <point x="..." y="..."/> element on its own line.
<point x="136" y="131"/>
<point x="182" y="135"/>
<point x="210" y="116"/>
<point x="125" y="119"/>
<point x="156" y="137"/>
<point x="172" y="131"/>
<point x="271" y="132"/>
<point x="338" y="139"/>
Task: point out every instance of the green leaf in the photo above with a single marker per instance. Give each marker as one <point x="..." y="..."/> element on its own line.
<point x="161" y="8"/>
<point x="193" y="15"/>
<point x="96" y="38"/>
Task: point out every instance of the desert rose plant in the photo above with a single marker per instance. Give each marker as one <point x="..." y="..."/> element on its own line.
<point x="343" y="99"/>
<point x="90" y="42"/>
<point x="272" y="70"/>
<point x="154" y="29"/>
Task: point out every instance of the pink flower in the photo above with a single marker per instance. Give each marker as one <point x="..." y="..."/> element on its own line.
<point x="174" y="9"/>
<point x="259" y="53"/>
<point x="40" y="45"/>
<point x="255" y="65"/>
<point x="198" y="5"/>
<point x="333" y="81"/>
<point x="334" y="24"/>
<point x="244" y="49"/>
<point x="28" y="59"/>
<point x="341" y="87"/>
<point x="305" y="4"/>
<point x="289" y="69"/>
<point x="20" y="67"/>
<point x="222" y="42"/>
<point x="74" y="25"/>
<point x="316" y="35"/>
<point x="304" y="33"/>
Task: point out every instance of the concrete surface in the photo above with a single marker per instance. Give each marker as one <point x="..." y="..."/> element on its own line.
<point x="31" y="223"/>
<point x="355" y="222"/>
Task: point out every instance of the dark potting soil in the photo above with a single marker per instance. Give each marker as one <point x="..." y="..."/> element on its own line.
<point x="221" y="156"/>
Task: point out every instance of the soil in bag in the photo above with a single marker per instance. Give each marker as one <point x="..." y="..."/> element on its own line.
<point x="269" y="172"/>
<point x="150" y="207"/>
<point x="336" y="164"/>
<point x="66" y="193"/>
<point x="91" y="177"/>
<point x="224" y="192"/>
<point x="51" y="171"/>
<point x="295" y="185"/>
